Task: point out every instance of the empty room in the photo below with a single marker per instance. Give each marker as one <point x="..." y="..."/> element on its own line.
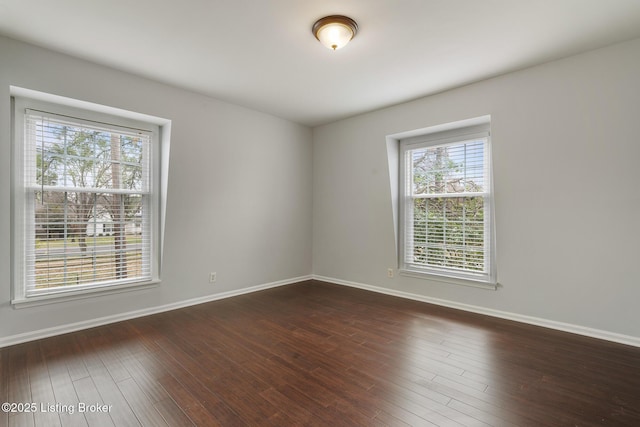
<point x="320" y="213"/>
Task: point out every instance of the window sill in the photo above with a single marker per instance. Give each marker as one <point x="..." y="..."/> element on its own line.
<point x="64" y="296"/>
<point x="450" y="280"/>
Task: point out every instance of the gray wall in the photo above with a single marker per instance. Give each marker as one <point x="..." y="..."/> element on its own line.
<point x="566" y="153"/>
<point x="239" y="195"/>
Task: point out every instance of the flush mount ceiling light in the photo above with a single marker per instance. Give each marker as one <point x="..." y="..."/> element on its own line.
<point x="334" y="31"/>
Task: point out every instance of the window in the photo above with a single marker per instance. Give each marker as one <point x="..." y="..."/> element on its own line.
<point x="446" y="205"/>
<point x="86" y="201"/>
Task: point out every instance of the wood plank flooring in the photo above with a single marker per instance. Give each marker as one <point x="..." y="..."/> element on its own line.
<point x="316" y="354"/>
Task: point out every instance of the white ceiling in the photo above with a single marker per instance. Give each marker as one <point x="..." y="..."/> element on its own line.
<point x="261" y="53"/>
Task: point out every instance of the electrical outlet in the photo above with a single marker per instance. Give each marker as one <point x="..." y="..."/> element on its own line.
<point x="212" y="277"/>
<point x="390" y="273"/>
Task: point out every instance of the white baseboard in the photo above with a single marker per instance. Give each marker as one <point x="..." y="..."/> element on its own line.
<point x="72" y="327"/>
<point x="566" y="327"/>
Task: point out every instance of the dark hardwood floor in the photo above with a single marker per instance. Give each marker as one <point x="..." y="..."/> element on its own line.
<point x="321" y="355"/>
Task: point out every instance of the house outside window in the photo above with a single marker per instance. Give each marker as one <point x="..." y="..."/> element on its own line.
<point x="446" y="206"/>
<point x="86" y="205"/>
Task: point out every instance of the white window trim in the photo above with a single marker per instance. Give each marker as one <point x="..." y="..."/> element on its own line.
<point x="439" y="135"/>
<point x="25" y="98"/>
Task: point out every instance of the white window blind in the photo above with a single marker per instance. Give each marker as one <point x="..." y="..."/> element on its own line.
<point x="87" y="212"/>
<point x="447" y="205"/>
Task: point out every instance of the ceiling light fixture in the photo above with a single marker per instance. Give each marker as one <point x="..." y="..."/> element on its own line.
<point x="334" y="31"/>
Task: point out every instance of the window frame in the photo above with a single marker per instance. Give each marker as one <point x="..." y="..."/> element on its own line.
<point x="23" y="100"/>
<point x="435" y="138"/>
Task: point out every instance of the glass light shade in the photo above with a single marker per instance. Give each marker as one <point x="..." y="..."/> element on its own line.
<point x="335" y="31"/>
<point x="334" y="36"/>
